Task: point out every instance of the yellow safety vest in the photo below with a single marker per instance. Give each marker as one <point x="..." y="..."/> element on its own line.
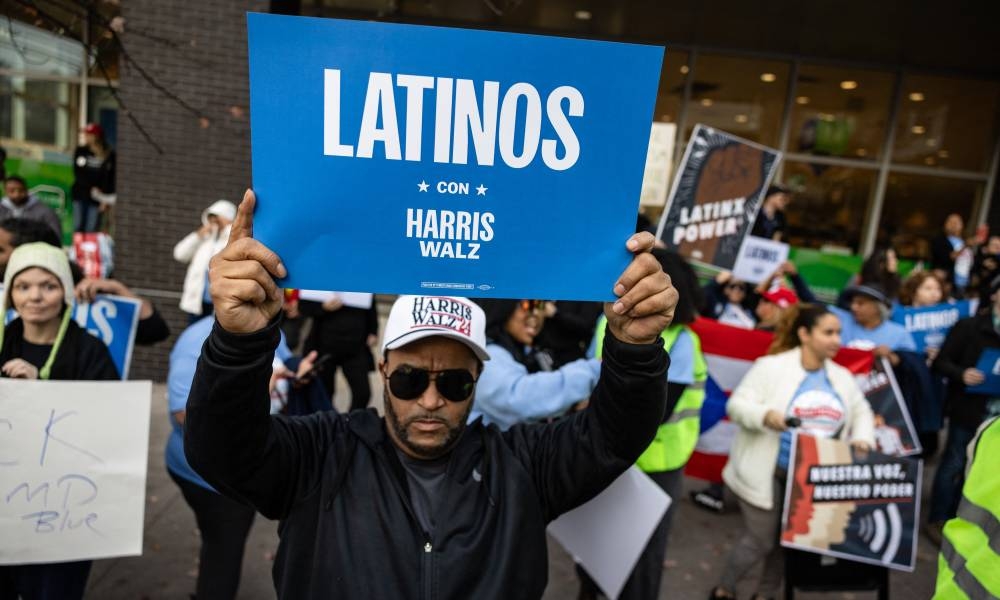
<point x="675" y="439"/>
<point x="969" y="563"/>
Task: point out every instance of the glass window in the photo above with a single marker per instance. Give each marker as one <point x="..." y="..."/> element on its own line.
<point x="829" y="205"/>
<point x="673" y="76"/>
<point x="947" y="122"/>
<point x="742" y="96"/>
<point x="24" y="47"/>
<point x="840" y="112"/>
<point x="916" y="206"/>
<point x="42" y="112"/>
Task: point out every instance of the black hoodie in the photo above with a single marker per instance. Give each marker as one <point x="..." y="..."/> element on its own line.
<point x="348" y="528"/>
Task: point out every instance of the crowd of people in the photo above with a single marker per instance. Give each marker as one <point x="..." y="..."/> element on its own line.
<point x="493" y="428"/>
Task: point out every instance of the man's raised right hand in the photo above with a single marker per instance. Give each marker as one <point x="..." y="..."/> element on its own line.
<point x="243" y="289"/>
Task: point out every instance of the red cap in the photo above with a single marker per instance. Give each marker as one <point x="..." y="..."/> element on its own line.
<point x="783" y="297"/>
<point x="94" y="128"/>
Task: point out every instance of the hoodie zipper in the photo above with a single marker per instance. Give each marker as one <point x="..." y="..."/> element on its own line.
<point x="427" y="554"/>
<point x="428" y="569"/>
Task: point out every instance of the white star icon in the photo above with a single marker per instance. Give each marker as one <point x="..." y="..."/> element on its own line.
<point x="481" y="190"/>
<point x="423" y="186"/>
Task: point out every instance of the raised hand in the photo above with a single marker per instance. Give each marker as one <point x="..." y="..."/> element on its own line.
<point x="646" y="298"/>
<point x="243" y="289"/>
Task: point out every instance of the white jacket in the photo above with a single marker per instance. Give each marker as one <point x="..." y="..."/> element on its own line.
<point x="196" y="251"/>
<point x="770" y="384"/>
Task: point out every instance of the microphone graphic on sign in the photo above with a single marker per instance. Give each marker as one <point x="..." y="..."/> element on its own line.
<point x="882" y="530"/>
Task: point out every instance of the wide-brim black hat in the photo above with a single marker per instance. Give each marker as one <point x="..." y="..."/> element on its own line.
<point x="871" y="290"/>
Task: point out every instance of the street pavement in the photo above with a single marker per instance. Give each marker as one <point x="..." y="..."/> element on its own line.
<point x="168" y="567"/>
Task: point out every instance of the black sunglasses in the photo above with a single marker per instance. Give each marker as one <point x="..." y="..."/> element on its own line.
<point x="408" y="383"/>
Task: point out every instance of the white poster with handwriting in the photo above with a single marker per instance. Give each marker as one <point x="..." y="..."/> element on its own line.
<point x="72" y="469"/>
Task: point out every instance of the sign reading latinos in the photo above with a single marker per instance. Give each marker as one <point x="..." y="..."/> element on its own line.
<point x="759" y="258"/>
<point x="989" y="365"/>
<point x="714" y="199"/>
<point x="408" y="159"/>
<point x="113" y="320"/>
<point x="853" y="506"/>
<point x="930" y="324"/>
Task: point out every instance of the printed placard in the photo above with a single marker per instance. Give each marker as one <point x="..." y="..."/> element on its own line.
<point x="72" y="469"/>
<point x="759" y="258"/>
<point x="989" y="365"/>
<point x="393" y="158"/>
<point x="659" y="162"/>
<point x="930" y="324"/>
<point x="895" y="434"/>
<point x="715" y="197"/>
<point x="114" y="320"/>
<point x="861" y="507"/>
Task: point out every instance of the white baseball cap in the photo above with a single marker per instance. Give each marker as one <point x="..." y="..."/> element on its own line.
<point x="414" y="318"/>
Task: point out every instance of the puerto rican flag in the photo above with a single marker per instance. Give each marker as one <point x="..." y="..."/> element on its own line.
<point x="729" y="352"/>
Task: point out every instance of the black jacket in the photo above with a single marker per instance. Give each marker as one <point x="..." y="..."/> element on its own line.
<point x="961" y="350"/>
<point x="941" y="250"/>
<point x="81" y="356"/>
<point x="348" y="529"/>
<point x="341" y="332"/>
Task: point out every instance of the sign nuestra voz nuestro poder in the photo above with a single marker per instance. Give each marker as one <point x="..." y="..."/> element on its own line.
<point x="859" y="506"/>
<point x="407" y="159"/>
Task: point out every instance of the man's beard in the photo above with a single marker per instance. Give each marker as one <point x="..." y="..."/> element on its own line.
<point x="403" y="435"/>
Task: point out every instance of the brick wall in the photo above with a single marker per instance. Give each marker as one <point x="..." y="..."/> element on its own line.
<point x="202" y="59"/>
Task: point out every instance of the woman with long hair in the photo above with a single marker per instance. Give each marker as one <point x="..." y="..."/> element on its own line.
<point x="796" y="385"/>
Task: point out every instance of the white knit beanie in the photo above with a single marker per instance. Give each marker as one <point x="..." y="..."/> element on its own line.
<point x="42" y="255"/>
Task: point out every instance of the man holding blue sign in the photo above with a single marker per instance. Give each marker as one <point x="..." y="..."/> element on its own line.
<point x="967" y="404"/>
<point x="407" y="506"/>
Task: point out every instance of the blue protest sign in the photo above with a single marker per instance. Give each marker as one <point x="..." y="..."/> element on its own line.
<point x="409" y="159"/>
<point x="989" y="364"/>
<point x="113" y="320"/>
<point x="930" y="324"/>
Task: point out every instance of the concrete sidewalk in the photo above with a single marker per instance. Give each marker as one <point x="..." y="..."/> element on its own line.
<point x="168" y="567"/>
